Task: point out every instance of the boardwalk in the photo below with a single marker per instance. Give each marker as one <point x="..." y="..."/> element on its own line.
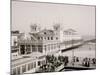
<point x="86" y="51"/>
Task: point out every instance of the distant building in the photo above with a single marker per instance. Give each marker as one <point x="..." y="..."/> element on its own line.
<point x="27" y="64"/>
<point x="70" y="38"/>
<point x="15" y="36"/>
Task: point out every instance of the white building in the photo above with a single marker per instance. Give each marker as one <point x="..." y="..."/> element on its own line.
<point x="49" y="40"/>
<point x="15" y="36"/>
<point x="33" y="47"/>
<point x="29" y="56"/>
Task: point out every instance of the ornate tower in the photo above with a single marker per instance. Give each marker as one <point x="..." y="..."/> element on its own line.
<point x="34" y="28"/>
<point x="57" y="31"/>
<point x="57" y="28"/>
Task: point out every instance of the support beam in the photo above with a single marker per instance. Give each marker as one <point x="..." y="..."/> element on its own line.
<point x="19" y="52"/>
<point x="31" y="48"/>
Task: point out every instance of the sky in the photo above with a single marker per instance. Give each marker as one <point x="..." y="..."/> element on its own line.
<point x="78" y="17"/>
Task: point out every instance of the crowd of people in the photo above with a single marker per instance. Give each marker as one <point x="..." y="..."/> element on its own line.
<point x="52" y="62"/>
<point x="88" y="61"/>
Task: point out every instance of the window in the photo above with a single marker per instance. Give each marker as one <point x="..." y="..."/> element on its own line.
<point x="54" y="46"/>
<point x="22" y="49"/>
<point x="14" y="72"/>
<point x="48" y="38"/>
<point x="23" y="68"/>
<point x="29" y="66"/>
<point x="40" y="48"/>
<point x="51" y="46"/>
<point x="35" y="28"/>
<point x="56" y="38"/>
<point x="43" y="62"/>
<point x="33" y="48"/>
<point x="38" y="63"/>
<point x="51" y="38"/>
<point x="15" y="43"/>
<point x="28" y="49"/>
<point x="13" y="51"/>
<point x="34" y="64"/>
<point x="18" y="70"/>
<point x="45" y="47"/>
<point x="44" y="32"/>
<point x="48" y="47"/>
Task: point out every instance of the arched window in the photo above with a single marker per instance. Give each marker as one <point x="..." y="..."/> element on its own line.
<point x="48" y="38"/>
<point x="44" y="32"/>
<point x="51" y="38"/>
<point x="39" y="63"/>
